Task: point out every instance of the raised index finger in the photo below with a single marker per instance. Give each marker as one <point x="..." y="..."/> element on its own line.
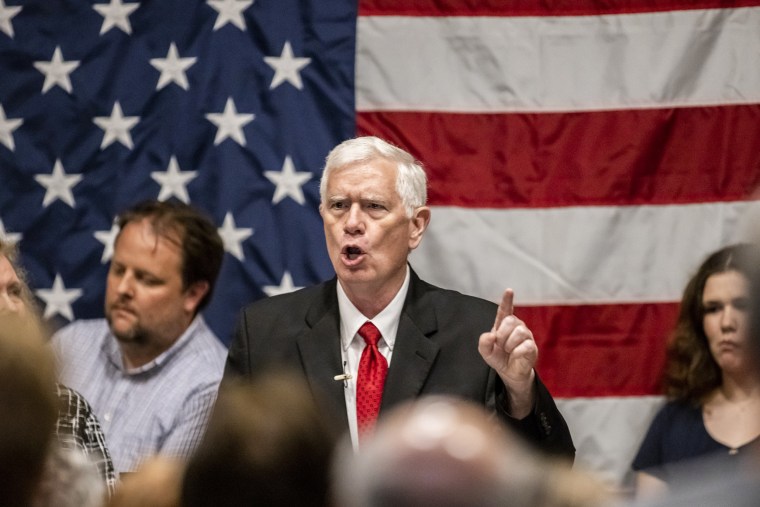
<point x="505" y="308"/>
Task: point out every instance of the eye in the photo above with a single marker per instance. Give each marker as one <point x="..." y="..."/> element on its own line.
<point x="15" y="291"/>
<point x="147" y="279"/>
<point x="711" y="308"/>
<point x="741" y="304"/>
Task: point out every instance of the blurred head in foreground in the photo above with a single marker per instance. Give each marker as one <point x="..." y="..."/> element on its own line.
<point x="157" y="483"/>
<point x="28" y="406"/>
<point x="266" y="444"/>
<point x="449" y="452"/>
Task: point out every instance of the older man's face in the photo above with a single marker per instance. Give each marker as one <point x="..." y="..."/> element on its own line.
<point x="367" y="231"/>
<point x="11" y="289"/>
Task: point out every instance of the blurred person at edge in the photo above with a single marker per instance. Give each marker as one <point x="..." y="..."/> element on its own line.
<point x="711" y="380"/>
<point x="77" y="428"/>
<point x="28" y="408"/>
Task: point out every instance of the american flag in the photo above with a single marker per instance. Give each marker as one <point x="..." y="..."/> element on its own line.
<point x="588" y="154"/>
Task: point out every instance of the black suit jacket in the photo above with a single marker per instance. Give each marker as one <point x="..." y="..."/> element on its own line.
<point x="436" y="352"/>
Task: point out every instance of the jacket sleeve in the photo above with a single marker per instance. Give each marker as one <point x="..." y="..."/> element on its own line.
<point x="544" y="427"/>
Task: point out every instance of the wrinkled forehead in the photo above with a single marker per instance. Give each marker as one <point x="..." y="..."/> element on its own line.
<point x="375" y="171"/>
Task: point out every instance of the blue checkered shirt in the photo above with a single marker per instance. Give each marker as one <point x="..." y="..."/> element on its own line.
<point x="159" y="408"/>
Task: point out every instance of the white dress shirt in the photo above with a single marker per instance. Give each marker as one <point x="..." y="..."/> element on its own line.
<point x="352" y="345"/>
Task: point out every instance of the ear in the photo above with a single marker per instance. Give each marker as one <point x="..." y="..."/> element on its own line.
<point x="417" y="226"/>
<point x="194" y="294"/>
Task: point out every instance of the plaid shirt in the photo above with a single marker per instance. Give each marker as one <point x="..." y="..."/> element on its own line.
<point x="159" y="408"/>
<point x="78" y="428"/>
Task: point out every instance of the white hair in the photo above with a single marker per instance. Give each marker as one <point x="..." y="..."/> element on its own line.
<point x="411" y="181"/>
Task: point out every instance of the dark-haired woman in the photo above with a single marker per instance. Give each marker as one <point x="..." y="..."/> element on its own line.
<point x="713" y="395"/>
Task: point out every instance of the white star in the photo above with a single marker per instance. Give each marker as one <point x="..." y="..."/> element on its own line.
<point x="230" y="123"/>
<point x="58" y="185"/>
<point x="173" y="181"/>
<point x="56" y="71"/>
<point x="116" y="14"/>
<point x="58" y="299"/>
<point x="9" y="237"/>
<point x="288" y="182"/>
<point x="116" y="127"/>
<point x="232" y="236"/>
<point x="286" y="285"/>
<point x="229" y="11"/>
<point x="107" y="238"/>
<point x="6" y="15"/>
<point x="286" y="67"/>
<point x="172" y="68"/>
<point x="7" y="126"/>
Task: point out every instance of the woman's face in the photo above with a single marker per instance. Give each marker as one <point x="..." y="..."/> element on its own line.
<point x="725" y="302"/>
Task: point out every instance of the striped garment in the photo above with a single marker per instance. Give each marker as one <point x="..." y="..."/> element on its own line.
<point x="588" y="155"/>
<point x="160" y="408"/>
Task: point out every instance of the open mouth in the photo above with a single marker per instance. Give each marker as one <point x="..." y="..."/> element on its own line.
<point x="352" y="252"/>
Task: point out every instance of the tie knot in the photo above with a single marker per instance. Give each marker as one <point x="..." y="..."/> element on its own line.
<point x="370" y="333"/>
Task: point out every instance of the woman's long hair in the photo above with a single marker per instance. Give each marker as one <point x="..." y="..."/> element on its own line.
<point x="691" y="372"/>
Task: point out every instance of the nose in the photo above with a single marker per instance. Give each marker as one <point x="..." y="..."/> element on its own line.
<point x="125" y="285"/>
<point x="728" y="318"/>
<point x="354" y="223"/>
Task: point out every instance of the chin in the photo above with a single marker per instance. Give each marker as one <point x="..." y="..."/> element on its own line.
<point x="124" y="334"/>
<point x="358" y="274"/>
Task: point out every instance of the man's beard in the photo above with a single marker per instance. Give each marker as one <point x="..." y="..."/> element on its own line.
<point x="136" y="334"/>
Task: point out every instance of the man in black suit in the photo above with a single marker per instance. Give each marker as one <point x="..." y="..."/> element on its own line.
<point x="373" y="199"/>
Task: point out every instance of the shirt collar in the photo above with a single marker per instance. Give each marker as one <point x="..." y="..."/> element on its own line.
<point x="351" y="319"/>
<point x="113" y="351"/>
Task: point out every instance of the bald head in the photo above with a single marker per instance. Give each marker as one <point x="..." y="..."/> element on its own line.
<point x="438" y="451"/>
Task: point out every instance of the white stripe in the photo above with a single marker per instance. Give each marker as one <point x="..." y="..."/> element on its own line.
<point x="573" y="63"/>
<point x="576" y="255"/>
<point x="607" y="433"/>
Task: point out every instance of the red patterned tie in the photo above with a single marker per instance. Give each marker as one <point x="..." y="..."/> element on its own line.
<point x="373" y="369"/>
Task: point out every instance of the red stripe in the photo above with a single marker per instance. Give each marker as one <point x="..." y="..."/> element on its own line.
<point x="647" y="156"/>
<point x="535" y="7"/>
<point x="601" y="350"/>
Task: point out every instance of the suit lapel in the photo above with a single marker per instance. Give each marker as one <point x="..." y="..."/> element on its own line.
<point x="319" y="347"/>
<point x="414" y="352"/>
